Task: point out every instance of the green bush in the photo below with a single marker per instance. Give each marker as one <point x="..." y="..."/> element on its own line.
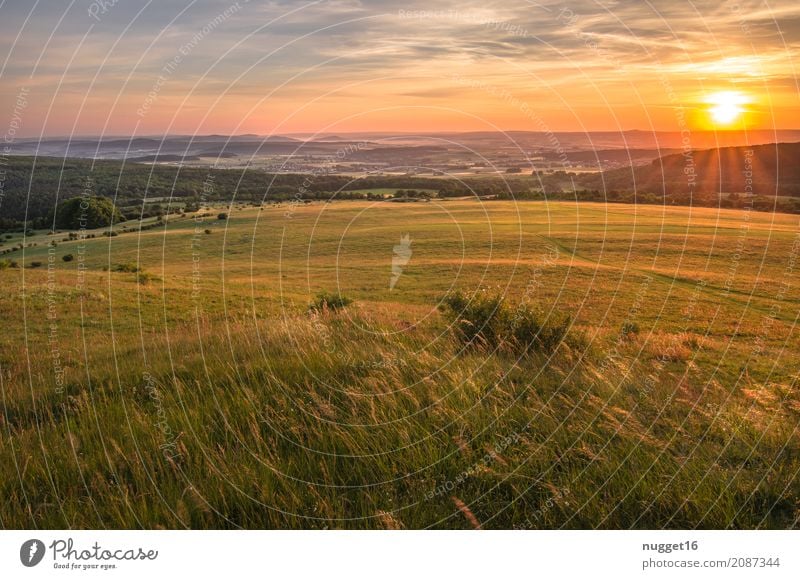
<point x="329" y="302"/>
<point x="629" y="329"/>
<point x="8" y="263"/>
<point x="68" y="257"/>
<point x="145" y="278"/>
<point x="35" y="264"/>
<point x="480" y="320"/>
<point x="128" y="267"/>
<point x="222" y="216"/>
<point x="488" y="322"/>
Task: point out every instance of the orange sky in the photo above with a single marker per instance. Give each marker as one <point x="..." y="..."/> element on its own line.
<point x="343" y="65"/>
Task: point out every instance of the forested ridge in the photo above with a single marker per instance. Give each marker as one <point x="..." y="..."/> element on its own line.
<point x="31" y="187"/>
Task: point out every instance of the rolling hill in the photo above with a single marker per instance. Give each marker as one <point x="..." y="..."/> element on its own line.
<point x="760" y="170"/>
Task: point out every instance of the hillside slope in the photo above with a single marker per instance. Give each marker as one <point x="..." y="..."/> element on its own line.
<point x="769" y="169"/>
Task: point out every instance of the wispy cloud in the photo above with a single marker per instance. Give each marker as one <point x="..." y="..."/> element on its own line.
<point x="555" y="54"/>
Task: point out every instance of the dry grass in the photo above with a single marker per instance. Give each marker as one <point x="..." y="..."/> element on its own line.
<point x="218" y="401"/>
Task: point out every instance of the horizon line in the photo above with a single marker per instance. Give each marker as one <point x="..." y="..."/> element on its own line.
<point x="388" y="132"/>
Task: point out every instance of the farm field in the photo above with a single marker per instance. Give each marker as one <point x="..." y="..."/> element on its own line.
<point x="176" y="378"/>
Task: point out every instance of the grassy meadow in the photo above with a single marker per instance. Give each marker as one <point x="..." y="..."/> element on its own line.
<point x="175" y="377"/>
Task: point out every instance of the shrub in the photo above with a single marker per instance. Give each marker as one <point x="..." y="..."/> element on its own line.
<point x="487" y="321"/>
<point x="68" y="257"/>
<point x="208" y="232"/>
<point x="144" y="278"/>
<point x="629" y="329"/>
<point x="531" y="332"/>
<point x="7" y="263"/>
<point x="222" y="216"/>
<point x="480" y="321"/>
<point x="128" y="267"/>
<point x="329" y="302"/>
<point x="35" y="264"/>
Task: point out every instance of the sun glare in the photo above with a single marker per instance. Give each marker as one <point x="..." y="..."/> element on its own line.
<point x="726" y="107"/>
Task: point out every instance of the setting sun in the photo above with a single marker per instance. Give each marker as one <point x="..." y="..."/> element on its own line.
<point x="726" y="107"/>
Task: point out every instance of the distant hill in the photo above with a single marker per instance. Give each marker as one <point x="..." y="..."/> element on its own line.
<point x="767" y="170"/>
<point x="163" y="159"/>
<point x="137" y="147"/>
<point x="32" y="186"/>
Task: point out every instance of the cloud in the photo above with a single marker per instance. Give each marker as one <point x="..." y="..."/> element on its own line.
<point x="559" y="47"/>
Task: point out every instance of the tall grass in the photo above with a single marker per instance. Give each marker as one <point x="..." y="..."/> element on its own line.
<point x="213" y="398"/>
<point x="311" y="423"/>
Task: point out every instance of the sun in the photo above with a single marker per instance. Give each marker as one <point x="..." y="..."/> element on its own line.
<point x="726" y="107"/>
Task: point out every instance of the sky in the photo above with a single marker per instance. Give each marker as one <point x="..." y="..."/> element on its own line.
<point x="146" y="67"/>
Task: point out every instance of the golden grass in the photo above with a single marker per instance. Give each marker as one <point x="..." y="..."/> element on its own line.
<point x="210" y="398"/>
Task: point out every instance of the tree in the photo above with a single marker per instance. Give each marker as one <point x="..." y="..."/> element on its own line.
<point x="88" y="213"/>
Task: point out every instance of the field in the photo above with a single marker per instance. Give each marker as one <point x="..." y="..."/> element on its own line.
<point x="175" y="377"/>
